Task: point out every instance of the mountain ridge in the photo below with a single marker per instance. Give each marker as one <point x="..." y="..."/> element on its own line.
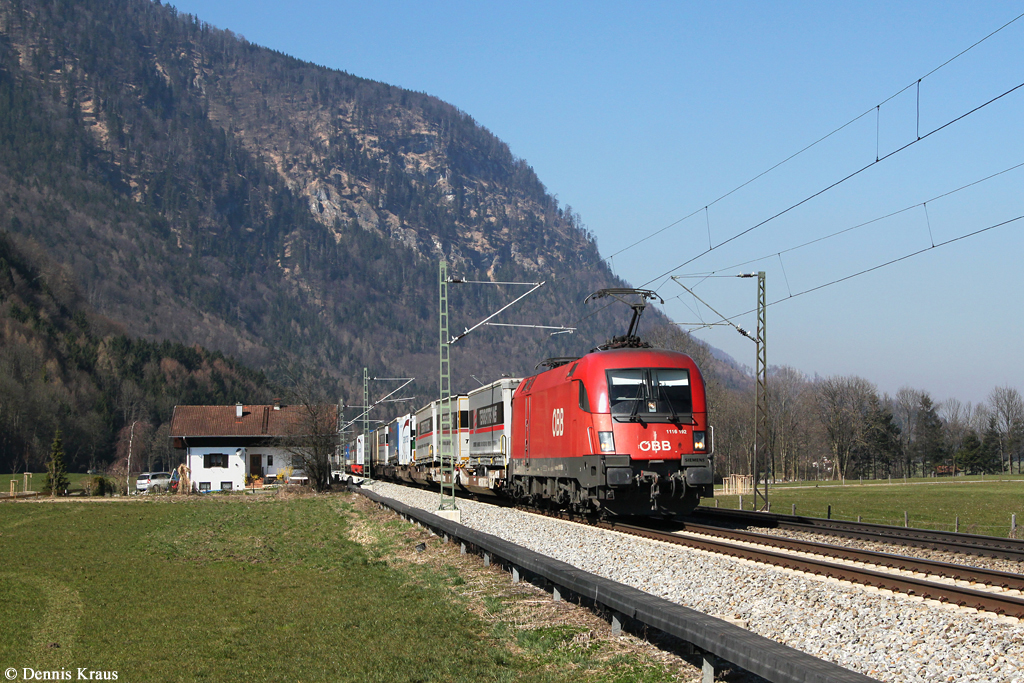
<point x="220" y="146"/>
<point x="197" y="188"/>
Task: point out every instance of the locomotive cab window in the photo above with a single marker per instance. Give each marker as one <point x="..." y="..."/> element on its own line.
<point x="584" y="399"/>
<point x="650" y="395"/>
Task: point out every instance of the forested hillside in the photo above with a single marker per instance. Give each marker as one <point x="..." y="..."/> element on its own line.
<point x="205" y="190"/>
<point x="64" y="367"/>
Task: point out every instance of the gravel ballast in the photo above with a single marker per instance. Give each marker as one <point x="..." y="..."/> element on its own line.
<point x="891" y="637"/>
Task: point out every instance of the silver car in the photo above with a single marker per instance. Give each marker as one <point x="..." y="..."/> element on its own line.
<point x="154" y="482"/>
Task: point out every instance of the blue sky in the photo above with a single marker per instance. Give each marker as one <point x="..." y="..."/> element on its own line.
<point x="637" y="115"/>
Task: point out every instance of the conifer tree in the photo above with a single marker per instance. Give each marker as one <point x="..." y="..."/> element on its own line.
<point x="56" y="481"/>
<point x="929" y="446"/>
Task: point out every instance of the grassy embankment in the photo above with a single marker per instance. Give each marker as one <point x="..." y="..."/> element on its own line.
<point x="984" y="506"/>
<point x="271" y="588"/>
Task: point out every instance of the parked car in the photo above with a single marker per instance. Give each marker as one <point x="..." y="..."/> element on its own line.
<point x="154" y="482"/>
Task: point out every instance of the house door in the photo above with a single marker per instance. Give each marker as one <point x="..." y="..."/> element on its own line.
<point x="256" y="465"/>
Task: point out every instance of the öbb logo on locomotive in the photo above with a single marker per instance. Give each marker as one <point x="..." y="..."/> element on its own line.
<point x="557" y="422"/>
<point x="654" y="445"/>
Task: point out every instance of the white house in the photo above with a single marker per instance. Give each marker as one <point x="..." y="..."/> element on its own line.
<point x="222" y="444"/>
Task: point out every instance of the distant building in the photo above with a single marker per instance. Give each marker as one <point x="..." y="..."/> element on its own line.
<point x="222" y="444"/>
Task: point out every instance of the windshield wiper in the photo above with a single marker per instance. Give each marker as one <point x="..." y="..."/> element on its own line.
<point x="671" y="406"/>
<point x="637" y="400"/>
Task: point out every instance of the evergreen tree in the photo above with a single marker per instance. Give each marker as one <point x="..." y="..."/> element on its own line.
<point x="969" y="456"/>
<point x="929" y="446"/>
<point x="56" y="481"/>
<point x="881" y="446"/>
<point x="990" y="459"/>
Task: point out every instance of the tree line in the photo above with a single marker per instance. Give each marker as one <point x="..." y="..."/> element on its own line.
<point x="842" y="427"/>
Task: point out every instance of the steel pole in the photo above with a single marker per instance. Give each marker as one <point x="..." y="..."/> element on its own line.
<point x="445" y="395"/>
<point x="761" y="416"/>
<point x="128" y="472"/>
<point x="367" y="448"/>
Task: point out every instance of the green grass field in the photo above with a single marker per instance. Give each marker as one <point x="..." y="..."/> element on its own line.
<point x="35" y="482"/>
<point x="983" y="506"/>
<point x="256" y="588"/>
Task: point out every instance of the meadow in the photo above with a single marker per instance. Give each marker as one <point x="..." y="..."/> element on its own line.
<point x="35" y="482"/>
<point x="273" y="588"/>
<point x="983" y="505"/>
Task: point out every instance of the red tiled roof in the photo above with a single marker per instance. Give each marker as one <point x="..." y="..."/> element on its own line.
<point x="198" y="421"/>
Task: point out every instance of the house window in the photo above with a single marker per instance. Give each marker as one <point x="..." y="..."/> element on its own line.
<point x="270" y="461"/>
<point x="215" y="460"/>
<point x="204" y="486"/>
<point x="225" y="486"/>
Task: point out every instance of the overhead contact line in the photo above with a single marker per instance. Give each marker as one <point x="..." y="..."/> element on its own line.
<point x="876" y="108"/>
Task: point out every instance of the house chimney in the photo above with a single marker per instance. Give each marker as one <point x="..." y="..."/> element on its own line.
<point x="277" y="404"/>
<point x="238" y="411"/>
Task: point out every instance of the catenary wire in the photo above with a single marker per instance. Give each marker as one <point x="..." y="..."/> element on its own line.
<point x="876" y="109"/>
<point x="872" y="268"/>
<point x="814" y="241"/>
<point x="836" y="183"/>
<point x="859" y="225"/>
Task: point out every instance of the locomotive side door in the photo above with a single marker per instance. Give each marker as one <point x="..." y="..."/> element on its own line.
<point x="526" y="431"/>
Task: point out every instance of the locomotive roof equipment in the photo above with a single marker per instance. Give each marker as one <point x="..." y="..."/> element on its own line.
<point x="630" y="340"/>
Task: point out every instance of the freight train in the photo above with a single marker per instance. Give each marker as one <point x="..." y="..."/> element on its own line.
<point x="621" y="430"/>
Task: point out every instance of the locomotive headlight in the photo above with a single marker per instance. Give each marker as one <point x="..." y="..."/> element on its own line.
<point x="607" y="442"/>
<point x="700" y="441"/>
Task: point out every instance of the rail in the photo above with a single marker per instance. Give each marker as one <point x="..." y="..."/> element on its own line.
<point x="957" y="572"/>
<point x="712" y="637"/>
<point x="997" y="603"/>
<point x="971" y="544"/>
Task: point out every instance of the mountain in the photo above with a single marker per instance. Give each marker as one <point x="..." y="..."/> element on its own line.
<point x="202" y="190"/>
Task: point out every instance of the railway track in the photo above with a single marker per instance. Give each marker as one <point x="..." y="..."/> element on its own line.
<point x="968" y="544"/>
<point x="940" y="581"/>
<point x="1005" y="581"/>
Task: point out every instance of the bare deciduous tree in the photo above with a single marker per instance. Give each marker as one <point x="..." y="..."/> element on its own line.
<point x="1008" y="410"/>
<point x="313" y="439"/>
<point x="956" y="416"/>
<point x="788" y="427"/>
<point x="905" y="408"/>
<point x="843" y="404"/>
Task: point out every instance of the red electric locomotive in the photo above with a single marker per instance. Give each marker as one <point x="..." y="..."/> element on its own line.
<point x="622" y="430"/>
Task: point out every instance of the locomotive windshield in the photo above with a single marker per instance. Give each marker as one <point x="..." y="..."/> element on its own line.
<point x="650" y="395"/>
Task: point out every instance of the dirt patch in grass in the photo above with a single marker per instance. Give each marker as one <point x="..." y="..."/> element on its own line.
<point x="562" y="635"/>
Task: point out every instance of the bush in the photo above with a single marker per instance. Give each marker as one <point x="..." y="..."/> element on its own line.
<point x="100" y="486"/>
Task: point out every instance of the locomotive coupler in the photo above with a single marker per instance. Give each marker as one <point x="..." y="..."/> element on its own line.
<point x="655" y="480"/>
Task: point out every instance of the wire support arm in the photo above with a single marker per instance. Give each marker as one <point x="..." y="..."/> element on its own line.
<point x="375" y="404"/>
<point x="560" y="328"/>
<point x="726" y="320"/>
<point x="486" y="320"/>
